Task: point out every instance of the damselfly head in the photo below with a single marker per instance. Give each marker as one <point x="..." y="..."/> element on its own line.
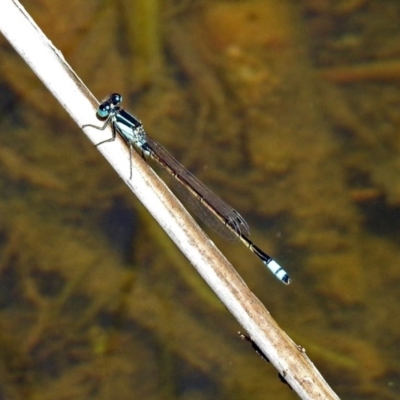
<point x="115" y="99"/>
<point x="104" y="109"/>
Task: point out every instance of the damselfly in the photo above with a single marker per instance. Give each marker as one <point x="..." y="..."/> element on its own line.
<point x="132" y="132"/>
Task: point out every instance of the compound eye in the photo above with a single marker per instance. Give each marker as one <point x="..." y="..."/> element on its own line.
<point x="104" y="110"/>
<point x="115" y="98"/>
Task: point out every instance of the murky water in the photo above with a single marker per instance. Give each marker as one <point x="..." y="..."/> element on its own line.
<point x="289" y="111"/>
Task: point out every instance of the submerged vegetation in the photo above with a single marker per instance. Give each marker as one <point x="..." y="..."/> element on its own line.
<point x="290" y="111"/>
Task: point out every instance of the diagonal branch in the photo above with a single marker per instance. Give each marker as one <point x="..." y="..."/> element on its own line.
<point x="49" y="65"/>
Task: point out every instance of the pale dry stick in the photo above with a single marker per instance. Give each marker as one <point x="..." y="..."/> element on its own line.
<point x="47" y="62"/>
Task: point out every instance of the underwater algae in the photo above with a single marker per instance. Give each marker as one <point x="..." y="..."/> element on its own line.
<point x="257" y="112"/>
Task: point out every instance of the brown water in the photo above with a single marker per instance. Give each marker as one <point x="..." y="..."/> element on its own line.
<point x="289" y="110"/>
